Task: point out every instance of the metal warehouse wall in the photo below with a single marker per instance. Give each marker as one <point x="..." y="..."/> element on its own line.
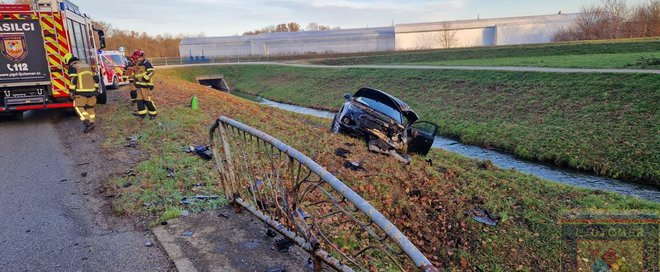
<point x="467" y="33"/>
<point x="290" y="43"/>
<point x="486" y="32"/>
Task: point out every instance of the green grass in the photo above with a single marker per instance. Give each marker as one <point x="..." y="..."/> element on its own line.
<point x="528" y="237"/>
<point x="150" y="190"/>
<point x="617" y="60"/>
<point x="603" y="123"/>
<point x="599" y="54"/>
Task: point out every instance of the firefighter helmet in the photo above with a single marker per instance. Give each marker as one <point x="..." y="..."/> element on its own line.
<point x="67" y="58"/>
<point x="137" y="53"/>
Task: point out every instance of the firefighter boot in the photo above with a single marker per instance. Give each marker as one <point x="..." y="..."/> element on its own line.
<point x="151" y="109"/>
<point x="89" y="128"/>
<point x="87" y="124"/>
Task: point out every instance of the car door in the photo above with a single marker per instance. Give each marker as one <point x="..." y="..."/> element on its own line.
<point x="422" y="136"/>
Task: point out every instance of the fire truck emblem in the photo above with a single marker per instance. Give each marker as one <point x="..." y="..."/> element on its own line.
<point x="13" y="46"/>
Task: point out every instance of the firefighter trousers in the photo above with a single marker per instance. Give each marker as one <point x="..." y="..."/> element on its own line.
<point x="133" y="93"/>
<point x="145" y="103"/>
<point x="84" y="107"/>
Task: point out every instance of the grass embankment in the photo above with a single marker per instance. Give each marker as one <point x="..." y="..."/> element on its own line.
<point x="433" y="217"/>
<point x="620" y="60"/>
<point x="604" y="54"/>
<point x="603" y="123"/>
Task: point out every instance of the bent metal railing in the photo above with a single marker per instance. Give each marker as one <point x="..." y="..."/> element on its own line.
<point x="308" y="205"/>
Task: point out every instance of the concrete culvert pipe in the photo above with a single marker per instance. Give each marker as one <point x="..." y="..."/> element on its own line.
<point x="214" y="81"/>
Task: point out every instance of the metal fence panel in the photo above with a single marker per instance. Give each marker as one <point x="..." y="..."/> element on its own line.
<point x="307" y="204"/>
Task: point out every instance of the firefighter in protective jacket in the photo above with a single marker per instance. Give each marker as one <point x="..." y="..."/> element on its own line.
<point x="144" y="80"/>
<point x="129" y="76"/>
<point x="83" y="89"/>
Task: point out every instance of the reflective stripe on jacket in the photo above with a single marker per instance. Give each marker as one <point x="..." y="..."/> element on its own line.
<point x="82" y="78"/>
<point x="144" y="74"/>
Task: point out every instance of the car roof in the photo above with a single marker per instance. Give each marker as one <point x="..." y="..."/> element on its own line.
<point x="376" y="94"/>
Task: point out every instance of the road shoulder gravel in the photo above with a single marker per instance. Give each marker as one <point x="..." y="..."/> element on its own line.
<point x="92" y="166"/>
<point x="222" y="240"/>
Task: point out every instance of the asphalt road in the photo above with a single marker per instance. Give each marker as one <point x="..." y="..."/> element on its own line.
<point x="45" y="223"/>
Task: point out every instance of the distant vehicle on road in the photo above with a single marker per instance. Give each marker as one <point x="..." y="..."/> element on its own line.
<point x="34" y="39"/>
<point x="388" y="124"/>
<point x="113" y="67"/>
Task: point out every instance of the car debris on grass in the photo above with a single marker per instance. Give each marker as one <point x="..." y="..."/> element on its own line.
<point x="203" y="151"/>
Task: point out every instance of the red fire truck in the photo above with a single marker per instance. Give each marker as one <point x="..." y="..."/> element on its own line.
<point x="113" y="67"/>
<point x="34" y="40"/>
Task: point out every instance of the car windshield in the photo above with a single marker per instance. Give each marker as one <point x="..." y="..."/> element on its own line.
<point x="382" y="108"/>
<point x="115" y="60"/>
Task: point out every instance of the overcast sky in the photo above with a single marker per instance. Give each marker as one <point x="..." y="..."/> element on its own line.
<point x="233" y="17"/>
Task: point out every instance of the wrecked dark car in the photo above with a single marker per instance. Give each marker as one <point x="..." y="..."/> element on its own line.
<point x="388" y="124"/>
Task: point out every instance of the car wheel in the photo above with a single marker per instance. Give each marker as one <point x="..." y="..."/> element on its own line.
<point x="115" y="83"/>
<point x="71" y="112"/>
<point x="18" y="115"/>
<point x="102" y="98"/>
<point x="336" y="126"/>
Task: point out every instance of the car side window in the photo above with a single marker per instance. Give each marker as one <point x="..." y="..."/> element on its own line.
<point x="425" y="128"/>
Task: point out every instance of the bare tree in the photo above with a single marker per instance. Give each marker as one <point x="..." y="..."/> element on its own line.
<point x="614" y="19"/>
<point x="319" y="27"/>
<point x="293" y="27"/>
<point x="288" y="27"/>
<point x="616" y="13"/>
<point x="592" y="23"/>
<point x="268" y="29"/>
<point x="646" y="19"/>
<point x="425" y="41"/>
<point x="281" y="28"/>
<point x="106" y="27"/>
<point x="447" y="36"/>
<point x="165" y="45"/>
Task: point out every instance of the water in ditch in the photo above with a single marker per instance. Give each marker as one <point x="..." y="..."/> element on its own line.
<point x="505" y="160"/>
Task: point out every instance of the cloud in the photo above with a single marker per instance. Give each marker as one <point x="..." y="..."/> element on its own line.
<point x="400" y="6"/>
<point x="378" y="5"/>
<point x="228" y="17"/>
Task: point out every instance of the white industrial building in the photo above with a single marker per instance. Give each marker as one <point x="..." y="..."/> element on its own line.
<point x="292" y="43"/>
<point x="465" y="33"/>
<point x="485" y="32"/>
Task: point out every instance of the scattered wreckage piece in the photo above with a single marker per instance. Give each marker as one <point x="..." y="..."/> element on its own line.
<point x="353" y="165"/>
<point x="202" y="151"/>
<point x="388" y="124"/>
<point x="198" y="198"/>
<point x="170" y="172"/>
<point x="484" y="216"/>
<point x="132" y="141"/>
<point x="305" y="203"/>
<point x="342" y="152"/>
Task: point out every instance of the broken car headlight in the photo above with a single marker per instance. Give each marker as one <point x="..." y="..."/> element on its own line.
<point x="348" y="121"/>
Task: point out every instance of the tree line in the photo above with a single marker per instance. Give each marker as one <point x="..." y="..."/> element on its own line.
<point x="614" y="19"/>
<point x="290" y="27"/>
<point x="154" y="46"/>
<point x="166" y="45"/>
